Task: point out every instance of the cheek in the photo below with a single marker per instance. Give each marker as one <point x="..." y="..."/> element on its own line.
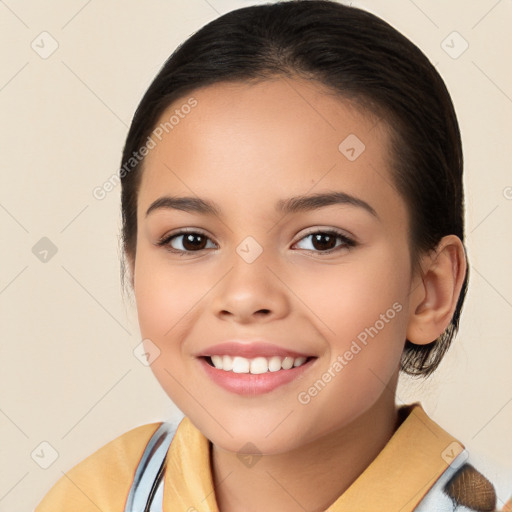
<point x="349" y="298"/>
<point x="163" y="297"/>
<point x="362" y="314"/>
<point x="363" y="318"/>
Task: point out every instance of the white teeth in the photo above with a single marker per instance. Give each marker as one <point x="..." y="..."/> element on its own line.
<point x="241" y="365"/>
<point x="274" y="364"/>
<point x="227" y="363"/>
<point x="217" y="362"/>
<point x="287" y="363"/>
<point x="257" y="365"/>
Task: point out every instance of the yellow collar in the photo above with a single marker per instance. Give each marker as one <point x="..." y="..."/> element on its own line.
<point x="397" y="479"/>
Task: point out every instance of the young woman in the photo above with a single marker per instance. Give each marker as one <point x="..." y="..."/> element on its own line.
<point x="293" y="228"/>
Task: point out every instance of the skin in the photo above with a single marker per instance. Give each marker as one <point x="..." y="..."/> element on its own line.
<point x="246" y="146"/>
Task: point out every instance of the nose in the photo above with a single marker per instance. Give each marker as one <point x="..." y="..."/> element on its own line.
<point x="251" y="292"/>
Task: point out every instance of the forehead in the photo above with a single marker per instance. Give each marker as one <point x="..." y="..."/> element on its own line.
<point x="267" y="141"/>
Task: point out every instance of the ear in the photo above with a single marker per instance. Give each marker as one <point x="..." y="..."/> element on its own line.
<point x="434" y="293"/>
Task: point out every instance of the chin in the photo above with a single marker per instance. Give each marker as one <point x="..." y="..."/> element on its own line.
<point x="240" y="436"/>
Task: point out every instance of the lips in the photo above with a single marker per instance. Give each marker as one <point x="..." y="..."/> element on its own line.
<point x="251" y="350"/>
<point x="253" y="368"/>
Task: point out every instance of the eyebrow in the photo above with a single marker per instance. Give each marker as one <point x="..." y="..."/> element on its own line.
<point x="290" y="205"/>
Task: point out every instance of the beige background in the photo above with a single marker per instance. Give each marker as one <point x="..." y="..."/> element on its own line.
<point x="68" y="374"/>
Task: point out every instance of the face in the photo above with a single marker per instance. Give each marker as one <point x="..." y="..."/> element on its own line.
<point x="319" y="284"/>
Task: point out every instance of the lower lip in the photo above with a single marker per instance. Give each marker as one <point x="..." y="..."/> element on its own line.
<point x="253" y="384"/>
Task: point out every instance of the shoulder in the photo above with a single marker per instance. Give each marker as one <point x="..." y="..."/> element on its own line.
<point x="101" y="481"/>
<point x="459" y="486"/>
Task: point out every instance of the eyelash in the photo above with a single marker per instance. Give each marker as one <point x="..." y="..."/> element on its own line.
<point x="347" y="242"/>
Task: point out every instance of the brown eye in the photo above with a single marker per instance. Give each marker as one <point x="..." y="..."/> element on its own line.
<point x="327" y="241"/>
<point x="323" y="241"/>
<point x="193" y="241"/>
<point x="184" y="242"/>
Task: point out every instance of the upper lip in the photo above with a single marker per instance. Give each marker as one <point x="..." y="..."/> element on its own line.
<point x="250" y="349"/>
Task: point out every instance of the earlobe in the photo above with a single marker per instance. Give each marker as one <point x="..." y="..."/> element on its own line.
<point x="435" y="293"/>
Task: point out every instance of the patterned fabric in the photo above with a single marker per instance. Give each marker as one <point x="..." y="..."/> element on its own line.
<point x="460" y="490"/>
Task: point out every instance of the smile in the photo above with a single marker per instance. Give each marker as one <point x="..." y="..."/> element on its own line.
<point x="257" y="365"/>
<point x="256" y="376"/>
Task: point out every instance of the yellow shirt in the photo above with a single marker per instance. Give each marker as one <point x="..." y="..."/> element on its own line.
<point x="415" y="457"/>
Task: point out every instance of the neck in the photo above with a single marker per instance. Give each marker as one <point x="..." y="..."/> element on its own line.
<point x="311" y="477"/>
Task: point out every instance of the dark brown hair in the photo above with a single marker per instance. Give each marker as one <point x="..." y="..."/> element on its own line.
<point x="360" y="58"/>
